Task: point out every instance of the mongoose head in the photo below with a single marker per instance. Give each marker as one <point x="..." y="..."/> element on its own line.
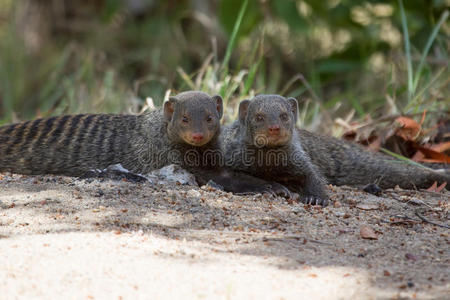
<point x="193" y="117"/>
<point x="269" y="120"/>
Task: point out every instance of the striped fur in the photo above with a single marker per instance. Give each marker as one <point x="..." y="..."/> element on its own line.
<point x="75" y="144"/>
<point x="68" y="145"/>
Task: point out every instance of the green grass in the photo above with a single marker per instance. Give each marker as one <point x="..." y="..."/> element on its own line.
<point x="96" y="74"/>
<point x="416" y="99"/>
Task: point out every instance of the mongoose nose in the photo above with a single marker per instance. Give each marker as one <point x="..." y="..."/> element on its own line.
<point x="198" y="137"/>
<point x="274" y="129"/>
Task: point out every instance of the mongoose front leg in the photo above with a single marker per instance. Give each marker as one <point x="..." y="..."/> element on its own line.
<point x="242" y="183"/>
<point x="308" y="182"/>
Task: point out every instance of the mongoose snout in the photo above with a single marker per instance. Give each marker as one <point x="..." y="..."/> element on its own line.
<point x="274" y="130"/>
<point x="197" y="137"/>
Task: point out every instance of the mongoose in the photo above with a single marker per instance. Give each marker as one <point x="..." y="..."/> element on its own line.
<point x="263" y="143"/>
<point x="266" y="131"/>
<point x="187" y="125"/>
<point x="74" y="144"/>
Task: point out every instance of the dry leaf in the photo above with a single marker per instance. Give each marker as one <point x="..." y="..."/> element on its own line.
<point x="375" y="145"/>
<point x="441" y="147"/>
<point x="408" y="129"/>
<point x="410" y="256"/>
<point x="433" y="154"/>
<point x="418" y="156"/>
<point x="435" y="188"/>
<point x="367" y="232"/>
<point x="441" y="187"/>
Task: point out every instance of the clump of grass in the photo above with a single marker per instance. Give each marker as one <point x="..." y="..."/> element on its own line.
<point x="215" y="78"/>
<point x="418" y="100"/>
<point x="77" y="79"/>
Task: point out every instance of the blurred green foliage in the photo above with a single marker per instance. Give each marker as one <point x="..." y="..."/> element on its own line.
<point x="61" y="56"/>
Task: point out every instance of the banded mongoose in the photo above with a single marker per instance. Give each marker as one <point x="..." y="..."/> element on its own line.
<point x="263" y="143"/>
<point x="266" y="127"/>
<point x="188" y="124"/>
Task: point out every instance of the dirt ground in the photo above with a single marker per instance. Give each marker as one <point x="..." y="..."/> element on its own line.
<point x="66" y="238"/>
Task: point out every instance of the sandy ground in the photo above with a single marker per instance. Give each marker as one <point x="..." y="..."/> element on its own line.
<point x="65" y="238"/>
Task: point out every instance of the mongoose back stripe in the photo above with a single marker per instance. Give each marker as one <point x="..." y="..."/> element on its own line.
<point x="101" y="140"/>
<point x="74" y="124"/>
<point x="10" y="129"/>
<point x="55" y="134"/>
<point x="80" y="136"/>
<point x="111" y="144"/>
<point x="33" y="130"/>
<point x="48" y="125"/>
<point x="18" y="137"/>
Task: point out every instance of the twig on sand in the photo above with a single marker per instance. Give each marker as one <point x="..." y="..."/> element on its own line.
<point x="430" y="222"/>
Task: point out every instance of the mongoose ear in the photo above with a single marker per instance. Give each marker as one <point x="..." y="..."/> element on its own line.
<point x="219" y="103"/>
<point x="243" y="110"/>
<point x="294" y="106"/>
<point x="169" y="107"/>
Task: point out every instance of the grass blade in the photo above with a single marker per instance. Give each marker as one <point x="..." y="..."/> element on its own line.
<point x="430" y="41"/>
<point x="233" y="37"/>
<point x="407" y="50"/>
<point x="404" y="159"/>
<point x="186" y="78"/>
<point x="423" y="90"/>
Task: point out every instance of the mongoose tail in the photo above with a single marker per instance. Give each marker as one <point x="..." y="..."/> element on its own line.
<point x="346" y="163"/>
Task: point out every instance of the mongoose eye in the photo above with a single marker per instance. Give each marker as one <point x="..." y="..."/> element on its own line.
<point x="284" y="117"/>
<point x="209" y="119"/>
<point x="185" y="119"/>
<point x="259" y="118"/>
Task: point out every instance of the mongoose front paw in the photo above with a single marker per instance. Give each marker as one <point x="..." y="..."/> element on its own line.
<point x="280" y="190"/>
<point x="313" y="200"/>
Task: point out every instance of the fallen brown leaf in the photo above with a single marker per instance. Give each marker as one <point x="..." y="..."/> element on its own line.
<point x="435" y="188"/>
<point x="410" y="256"/>
<point x="441" y="187"/>
<point x="375" y="145"/>
<point x="408" y="129"/>
<point x="433" y="154"/>
<point x="367" y="232"/>
<point x="441" y="147"/>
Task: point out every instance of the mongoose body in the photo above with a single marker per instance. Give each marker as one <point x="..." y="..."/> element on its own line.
<point x="184" y="132"/>
<point x="266" y="126"/>
<point x="263" y="143"/>
<point x="73" y="145"/>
